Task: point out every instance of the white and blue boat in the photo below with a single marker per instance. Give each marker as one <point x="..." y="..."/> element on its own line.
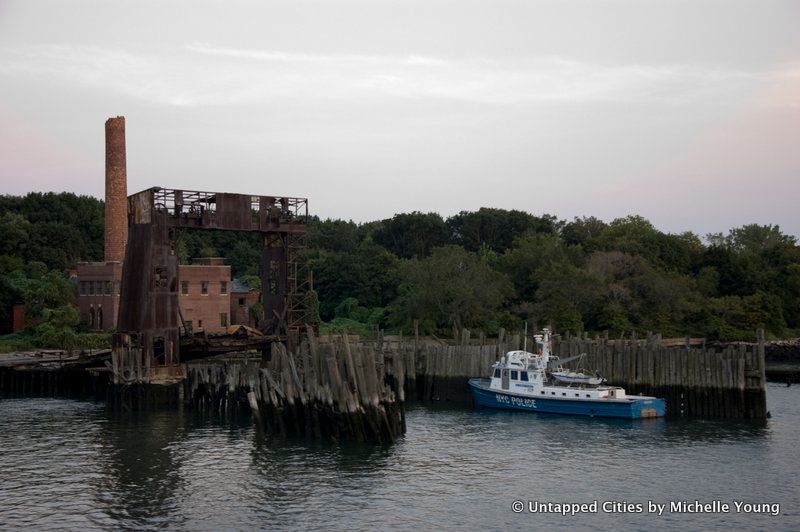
<point x="525" y="381"/>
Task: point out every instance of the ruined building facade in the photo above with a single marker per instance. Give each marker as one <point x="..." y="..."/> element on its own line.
<point x="205" y="296"/>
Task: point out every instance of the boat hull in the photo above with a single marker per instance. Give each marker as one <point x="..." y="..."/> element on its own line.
<point x="628" y="408"/>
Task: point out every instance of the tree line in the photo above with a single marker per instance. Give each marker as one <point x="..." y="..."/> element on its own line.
<point x="481" y="269"/>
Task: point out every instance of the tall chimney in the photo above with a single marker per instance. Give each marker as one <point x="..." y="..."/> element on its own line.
<point x="116" y="215"/>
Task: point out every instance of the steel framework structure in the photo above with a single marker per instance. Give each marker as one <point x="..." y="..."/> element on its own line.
<point x="146" y="346"/>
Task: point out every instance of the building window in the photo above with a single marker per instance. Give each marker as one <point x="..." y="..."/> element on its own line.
<point x="223" y="319"/>
<point x="241" y="301"/>
<point x="91" y="288"/>
<point x="82" y="285"/>
<point x="185" y="288"/>
<point x="91" y="318"/>
<point x="223" y="287"/>
<point x="108" y="288"/>
<point x="204" y="288"/>
<point x="100" y="318"/>
<point x="199" y="324"/>
<point x="98" y="288"/>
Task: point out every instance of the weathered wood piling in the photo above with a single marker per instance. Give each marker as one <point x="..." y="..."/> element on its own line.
<point x="349" y="388"/>
<point x="695" y="380"/>
<point x="336" y="390"/>
<point x="53" y="373"/>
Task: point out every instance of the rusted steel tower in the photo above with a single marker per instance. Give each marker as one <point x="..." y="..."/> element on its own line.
<point x="146" y="346"/>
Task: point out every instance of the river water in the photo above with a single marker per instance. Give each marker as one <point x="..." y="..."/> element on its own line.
<point x="71" y="465"/>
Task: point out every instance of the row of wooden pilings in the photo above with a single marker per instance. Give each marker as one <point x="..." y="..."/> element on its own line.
<point x="344" y="388"/>
<point x="694" y="381"/>
<point x="336" y="390"/>
<point x="51" y="382"/>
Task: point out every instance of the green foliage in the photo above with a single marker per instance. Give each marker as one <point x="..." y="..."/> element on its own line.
<point x="345" y="325"/>
<point x="412" y="235"/>
<point x="253" y="282"/>
<point x="47" y="291"/>
<point x="636" y="236"/>
<point x="528" y="255"/>
<point x="18" y="341"/>
<point x="497" y="228"/>
<point x="257" y="312"/>
<point x="369" y="273"/>
<point x="451" y="287"/>
<point x="583" y="231"/>
<point x="333" y="235"/>
<point x="488" y="268"/>
<point x="58" y="328"/>
<point x="56" y="229"/>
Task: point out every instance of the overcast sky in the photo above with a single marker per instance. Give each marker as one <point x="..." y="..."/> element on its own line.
<point x="686" y="112"/>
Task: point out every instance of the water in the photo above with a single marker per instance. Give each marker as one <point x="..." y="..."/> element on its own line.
<point x="71" y="465"/>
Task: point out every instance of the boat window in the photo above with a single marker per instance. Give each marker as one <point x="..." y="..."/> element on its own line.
<point x="587" y="395"/>
<point x="577" y="395"/>
<point x="497" y="373"/>
<point x="564" y="394"/>
<point x="553" y="393"/>
<point x="542" y="392"/>
<point x="523" y="376"/>
<point x="513" y="375"/>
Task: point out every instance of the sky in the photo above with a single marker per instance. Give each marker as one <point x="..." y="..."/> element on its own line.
<point x="684" y="112"/>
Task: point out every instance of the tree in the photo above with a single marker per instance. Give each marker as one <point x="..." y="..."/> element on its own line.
<point x="564" y="294"/>
<point x="369" y="274"/>
<point x="635" y="235"/>
<point x="333" y="235"/>
<point x="450" y="287"/>
<point x="583" y="231"/>
<point x="528" y="255"/>
<point x="497" y="228"/>
<point x="412" y="235"/>
<point x="755" y="238"/>
<point x="44" y="291"/>
<point x="57" y="328"/>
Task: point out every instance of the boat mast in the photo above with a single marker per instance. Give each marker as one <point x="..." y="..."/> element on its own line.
<point x="545" y="347"/>
<point x="525" y="338"/>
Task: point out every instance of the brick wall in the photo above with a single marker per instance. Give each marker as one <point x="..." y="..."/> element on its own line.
<point x="240" y="308"/>
<point x="210" y="310"/>
<point x="98" y="293"/>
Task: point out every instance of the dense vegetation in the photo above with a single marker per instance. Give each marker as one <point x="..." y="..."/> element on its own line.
<point x="41" y="236"/>
<point x="483" y="270"/>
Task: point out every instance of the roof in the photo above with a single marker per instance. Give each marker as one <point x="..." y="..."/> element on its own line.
<point x="238" y="287"/>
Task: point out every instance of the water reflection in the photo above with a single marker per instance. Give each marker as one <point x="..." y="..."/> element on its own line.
<point x="142" y="469"/>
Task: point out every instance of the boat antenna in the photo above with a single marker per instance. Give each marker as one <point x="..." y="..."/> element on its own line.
<point x="525" y="336"/>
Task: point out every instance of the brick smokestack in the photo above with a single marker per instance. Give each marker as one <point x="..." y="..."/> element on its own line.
<point x="116" y="215"/>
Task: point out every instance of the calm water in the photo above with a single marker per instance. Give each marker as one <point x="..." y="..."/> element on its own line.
<point x="69" y="464"/>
